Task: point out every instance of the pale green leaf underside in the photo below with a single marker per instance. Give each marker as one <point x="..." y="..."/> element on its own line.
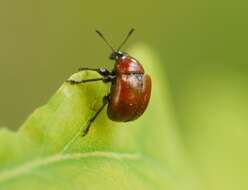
<point x="48" y="151"/>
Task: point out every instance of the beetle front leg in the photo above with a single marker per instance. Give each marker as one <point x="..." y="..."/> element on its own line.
<point x="105" y="102"/>
<point x="104" y="79"/>
<point x="101" y="70"/>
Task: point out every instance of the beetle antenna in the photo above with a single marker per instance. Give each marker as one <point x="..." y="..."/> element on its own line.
<point x="104" y="39"/>
<point x="124" y="41"/>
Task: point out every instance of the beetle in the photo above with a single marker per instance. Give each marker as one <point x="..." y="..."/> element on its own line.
<point x="130" y="87"/>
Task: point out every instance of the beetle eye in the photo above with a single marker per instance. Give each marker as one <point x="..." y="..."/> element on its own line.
<point x="112" y="56"/>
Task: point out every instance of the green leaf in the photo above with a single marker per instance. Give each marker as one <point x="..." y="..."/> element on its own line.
<point x="48" y="151"/>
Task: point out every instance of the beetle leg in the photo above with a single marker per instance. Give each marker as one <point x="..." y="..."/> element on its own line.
<point x="105" y="102"/>
<point x="101" y="70"/>
<point x="104" y="79"/>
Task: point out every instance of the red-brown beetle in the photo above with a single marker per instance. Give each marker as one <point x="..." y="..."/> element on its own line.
<point x="131" y="87"/>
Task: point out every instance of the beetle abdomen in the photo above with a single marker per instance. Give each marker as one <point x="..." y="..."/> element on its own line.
<point x="130" y="94"/>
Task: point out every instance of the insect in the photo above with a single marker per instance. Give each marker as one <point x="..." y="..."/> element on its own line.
<point x="130" y="86"/>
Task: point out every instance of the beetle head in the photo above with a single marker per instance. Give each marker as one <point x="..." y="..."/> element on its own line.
<point x="116" y="55"/>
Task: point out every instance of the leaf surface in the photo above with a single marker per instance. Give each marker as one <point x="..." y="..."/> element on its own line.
<point x="48" y="151"/>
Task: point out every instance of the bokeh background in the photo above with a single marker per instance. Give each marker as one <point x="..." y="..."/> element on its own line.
<point x="202" y="45"/>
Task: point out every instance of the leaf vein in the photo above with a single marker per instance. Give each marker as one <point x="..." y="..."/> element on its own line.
<point x="28" y="167"/>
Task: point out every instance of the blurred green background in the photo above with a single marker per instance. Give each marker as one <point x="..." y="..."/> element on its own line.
<point x="202" y="45"/>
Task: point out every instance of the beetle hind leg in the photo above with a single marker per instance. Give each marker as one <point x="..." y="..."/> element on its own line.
<point x="105" y="102"/>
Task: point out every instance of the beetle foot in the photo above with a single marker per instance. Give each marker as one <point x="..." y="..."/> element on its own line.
<point x="71" y="81"/>
<point x="85" y="131"/>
